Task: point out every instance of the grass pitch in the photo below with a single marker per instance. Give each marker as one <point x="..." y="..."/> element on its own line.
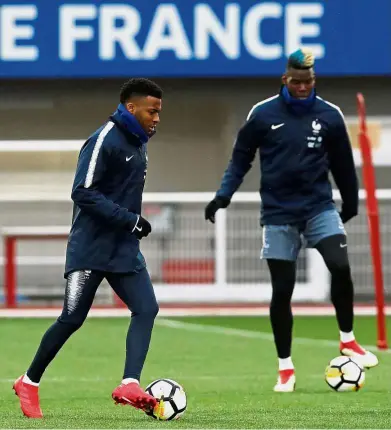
<point x="227" y="366"/>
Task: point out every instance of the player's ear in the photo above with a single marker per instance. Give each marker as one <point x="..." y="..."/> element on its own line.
<point x="130" y="107"/>
<point x="284" y="79"/>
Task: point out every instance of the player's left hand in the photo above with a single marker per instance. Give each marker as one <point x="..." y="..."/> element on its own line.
<point x="347" y="215"/>
<point x="142" y="228"/>
<point x="213" y="206"/>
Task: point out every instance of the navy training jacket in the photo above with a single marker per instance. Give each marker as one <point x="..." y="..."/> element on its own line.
<point x="297" y="151"/>
<point x="107" y="195"/>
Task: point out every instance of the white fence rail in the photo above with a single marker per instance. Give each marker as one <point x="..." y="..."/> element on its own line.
<point x="190" y="260"/>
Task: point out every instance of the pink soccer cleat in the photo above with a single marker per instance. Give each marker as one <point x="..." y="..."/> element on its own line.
<point x="29" y="398"/>
<point x="132" y="394"/>
<point x="354" y="350"/>
<point x="286" y="381"/>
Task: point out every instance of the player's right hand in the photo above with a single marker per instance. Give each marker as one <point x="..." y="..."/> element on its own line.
<point x="213" y="206"/>
<point x="142" y="228"/>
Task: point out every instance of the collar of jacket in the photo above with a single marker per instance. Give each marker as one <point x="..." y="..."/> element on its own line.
<point x="298" y="106"/>
<point x="129" y="124"/>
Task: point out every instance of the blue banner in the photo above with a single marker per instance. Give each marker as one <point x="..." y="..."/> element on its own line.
<point x="189" y="38"/>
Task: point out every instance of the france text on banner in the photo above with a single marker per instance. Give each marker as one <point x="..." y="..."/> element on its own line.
<point x="102" y="38"/>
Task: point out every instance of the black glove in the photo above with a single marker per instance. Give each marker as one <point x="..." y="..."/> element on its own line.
<point x="142" y="228"/>
<point x="347" y="215"/>
<point x="213" y="206"/>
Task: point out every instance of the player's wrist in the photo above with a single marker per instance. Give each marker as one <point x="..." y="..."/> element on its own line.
<point x="133" y="221"/>
<point x="222" y="201"/>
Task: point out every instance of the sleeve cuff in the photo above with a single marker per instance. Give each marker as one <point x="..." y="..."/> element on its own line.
<point x="134" y="221"/>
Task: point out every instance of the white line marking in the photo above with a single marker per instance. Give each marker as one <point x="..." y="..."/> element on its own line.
<point x="250" y="334"/>
<point x="258" y="376"/>
<point x="262" y="310"/>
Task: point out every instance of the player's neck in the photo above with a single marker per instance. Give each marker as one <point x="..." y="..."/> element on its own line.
<point x="299" y="106"/>
<point x="131" y="124"/>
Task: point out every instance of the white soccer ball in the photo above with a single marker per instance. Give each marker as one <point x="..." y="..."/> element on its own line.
<point x="171" y="399"/>
<point x="345" y="374"/>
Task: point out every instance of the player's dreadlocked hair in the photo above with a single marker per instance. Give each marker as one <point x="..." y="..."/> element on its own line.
<point x="139" y="87"/>
<point x="301" y="59"/>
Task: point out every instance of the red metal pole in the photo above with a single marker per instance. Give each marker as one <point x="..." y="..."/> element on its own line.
<point x="373" y="223"/>
<point x="10" y="272"/>
<point x="378" y="275"/>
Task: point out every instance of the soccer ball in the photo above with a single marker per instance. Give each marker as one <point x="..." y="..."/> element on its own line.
<point x="345" y="374"/>
<point x="171" y="399"/>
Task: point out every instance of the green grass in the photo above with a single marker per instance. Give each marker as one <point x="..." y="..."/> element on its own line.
<point x="228" y="376"/>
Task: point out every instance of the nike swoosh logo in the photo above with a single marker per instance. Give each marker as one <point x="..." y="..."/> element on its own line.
<point x="274" y="127"/>
<point x="138" y="228"/>
<point x="129" y="158"/>
<point x="343" y="245"/>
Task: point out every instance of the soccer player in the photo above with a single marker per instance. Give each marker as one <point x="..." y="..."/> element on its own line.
<point x="104" y="242"/>
<point x="300" y="138"/>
